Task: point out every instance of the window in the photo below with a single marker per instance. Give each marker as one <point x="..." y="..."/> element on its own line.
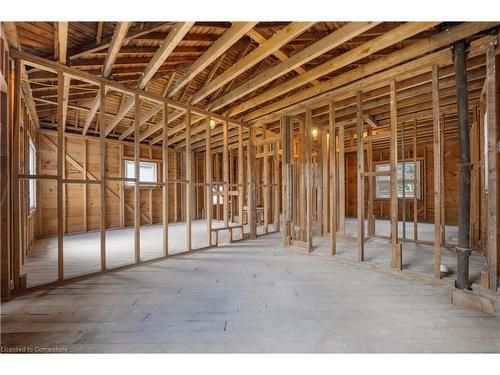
<point x="217" y="198"/>
<point x="147" y="171"/>
<point x="412" y="181"/>
<point x="32" y="170"/>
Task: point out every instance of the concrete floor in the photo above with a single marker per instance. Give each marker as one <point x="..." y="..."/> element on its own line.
<point x="417" y="258"/>
<point x="82" y="251"/>
<point x="251" y="296"/>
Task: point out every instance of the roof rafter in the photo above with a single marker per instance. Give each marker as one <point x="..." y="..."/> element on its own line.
<point x="231" y="36"/>
<point x="114" y="47"/>
<point x="416" y="49"/>
<point x="385" y="40"/>
<point x="171" y="41"/>
<point x="267" y="48"/>
<point x="323" y="45"/>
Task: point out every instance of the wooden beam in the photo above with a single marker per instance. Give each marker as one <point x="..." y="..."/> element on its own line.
<point x="370" y="121"/>
<point x="360" y="165"/>
<point x="416" y="49"/>
<point x="235" y="32"/>
<point x="98" y="33"/>
<point x="114" y="47"/>
<point x="327" y="43"/>
<point x="280" y="55"/>
<point x="176" y="34"/>
<point x="396" y="35"/>
<point x="129" y="104"/>
<point x="437" y="172"/>
<point x="267" y="48"/>
<point x="62" y="35"/>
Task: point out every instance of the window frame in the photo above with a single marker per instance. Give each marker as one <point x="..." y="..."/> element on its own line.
<point x="141" y="183"/>
<point x="420" y="180"/>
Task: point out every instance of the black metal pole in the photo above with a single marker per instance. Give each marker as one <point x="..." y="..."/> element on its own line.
<point x="463" y="251"/>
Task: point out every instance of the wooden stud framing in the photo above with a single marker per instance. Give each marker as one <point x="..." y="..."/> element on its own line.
<point x="396" y="258"/>
<point x="341" y="182"/>
<point x="308" y="180"/>
<point x="165" y="201"/>
<point x="102" y="170"/>
<point x="189" y="185"/>
<point x="492" y="108"/>
<point x="137" y="191"/>
<point x="225" y="175"/>
<point x="333" y="181"/>
<point x="287" y="178"/>
<point x="360" y="203"/>
<point x="437" y="171"/>
<point x="251" y="203"/>
<point x="241" y="190"/>
<point x="415" y="186"/>
<point x="208" y="180"/>
<point x="60" y="163"/>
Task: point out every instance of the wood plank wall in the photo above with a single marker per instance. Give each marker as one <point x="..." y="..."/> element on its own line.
<point x="81" y="149"/>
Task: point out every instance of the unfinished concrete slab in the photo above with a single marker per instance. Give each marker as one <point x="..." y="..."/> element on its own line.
<point x="253" y="296"/>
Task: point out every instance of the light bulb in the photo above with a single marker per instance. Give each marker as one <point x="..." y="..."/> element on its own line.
<point x="212" y="124"/>
<point x="314" y="132"/>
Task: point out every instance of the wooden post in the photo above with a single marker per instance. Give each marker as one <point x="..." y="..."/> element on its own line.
<point x="241" y="190"/>
<point x="371" y="188"/>
<point x="325" y="144"/>
<point x="189" y="185"/>
<point x="122" y="188"/>
<point x="137" y="175"/>
<point x="415" y="185"/>
<point x="276" y="190"/>
<point x="308" y="180"/>
<point x="333" y="181"/>
<point x="265" y="179"/>
<point x="251" y="184"/>
<point x="102" y="172"/>
<point x="396" y="259"/>
<point x="492" y="108"/>
<point x="437" y="171"/>
<point x="176" y="190"/>
<point x="360" y="179"/>
<point x="165" y="202"/>
<point x="60" y="162"/>
<point x="208" y="178"/>
<point x="15" y="188"/>
<point x="5" y="191"/>
<point x="341" y="182"/>
<point x="443" y="181"/>
<point x="286" y="130"/>
<point x="302" y="192"/>
<point x="225" y="175"/>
